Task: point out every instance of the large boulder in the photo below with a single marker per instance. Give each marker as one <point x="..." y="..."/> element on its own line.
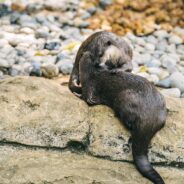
<point x="37" y="113"/>
<point x="29" y="166"/>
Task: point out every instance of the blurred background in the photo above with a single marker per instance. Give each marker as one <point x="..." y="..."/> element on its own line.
<point x="41" y="37"/>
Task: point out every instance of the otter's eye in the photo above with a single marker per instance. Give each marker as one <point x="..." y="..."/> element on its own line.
<point x="109" y="43"/>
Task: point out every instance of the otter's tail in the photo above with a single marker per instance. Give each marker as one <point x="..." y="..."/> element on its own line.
<point x="140" y="145"/>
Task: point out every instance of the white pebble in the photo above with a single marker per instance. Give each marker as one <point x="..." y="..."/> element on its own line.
<point x="174" y="39"/>
<point x="161" y="34"/>
<point x="27" y="30"/>
<point x="172" y="92"/>
<point x="177" y="80"/>
<point x="153" y="79"/>
<point x="150" y="47"/>
<point x="154" y="70"/>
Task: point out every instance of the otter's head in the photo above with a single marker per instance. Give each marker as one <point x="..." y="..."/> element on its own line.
<point x="111" y="52"/>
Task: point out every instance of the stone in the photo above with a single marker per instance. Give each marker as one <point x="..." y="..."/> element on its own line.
<point x="15" y="70"/>
<point x="49" y="59"/>
<point x="139" y="49"/>
<point x="27" y="21"/>
<point x="165" y="73"/>
<point x="3" y="42"/>
<point x="180" y="49"/>
<point x="52" y="45"/>
<point x="164" y="83"/>
<point x="154" y="70"/>
<point x="65" y="66"/>
<point x="150" y="47"/>
<point x="39" y="107"/>
<point x="42" y="33"/>
<point x="153" y="78"/>
<point x="86" y="15"/>
<point x="167" y="61"/>
<point x="49" y="70"/>
<point x="161" y="34"/>
<point x="151" y="39"/>
<point x="78" y="22"/>
<point x="16" y="39"/>
<point x="174" y="39"/>
<point x="143" y="74"/>
<point x="14" y="17"/>
<point x="41" y="19"/>
<point x="162" y="46"/>
<point x="177" y="80"/>
<point x="182" y="96"/>
<point x="34" y="7"/>
<point x="154" y="63"/>
<point x="4" y="63"/>
<point x="140" y="41"/>
<point x="171" y="48"/>
<point x="36" y="69"/>
<point x="172" y="92"/>
<point x="65" y="167"/>
<point x="27" y="68"/>
<point x="1" y="74"/>
<point x="131" y="37"/>
<point x="104" y="3"/>
<point x="157" y="54"/>
<point x="8" y="56"/>
<point x="92" y="10"/>
<point x="175" y="56"/>
<point x="27" y="30"/>
<point x="141" y="58"/>
<point x="62" y="56"/>
<point x="47" y="117"/>
<point x="4" y="9"/>
<point x="17" y="6"/>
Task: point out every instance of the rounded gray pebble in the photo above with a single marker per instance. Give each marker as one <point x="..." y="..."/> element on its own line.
<point x="172" y="92"/>
<point x="104" y="3"/>
<point x="65" y="66"/>
<point x="174" y="39"/>
<point x="49" y="70"/>
<point x="177" y="80"/>
<point x="151" y="39"/>
<point x="161" y="34"/>
<point x="154" y="63"/>
<point x="53" y="45"/>
<point x="165" y="83"/>
<point x="36" y="69"/>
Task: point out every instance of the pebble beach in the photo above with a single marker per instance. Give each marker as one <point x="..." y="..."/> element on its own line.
<point x="41" y="38"/>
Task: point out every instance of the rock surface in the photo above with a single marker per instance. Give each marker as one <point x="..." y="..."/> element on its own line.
<point x="25" y="166"/>
<point x="41" y="121"/>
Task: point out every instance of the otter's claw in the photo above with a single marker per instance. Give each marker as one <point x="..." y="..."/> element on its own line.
<point x="77" y="94"/>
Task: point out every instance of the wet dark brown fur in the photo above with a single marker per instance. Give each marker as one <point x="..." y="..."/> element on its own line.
<point x="136" y="102"/>
<point x="97" y="44"/>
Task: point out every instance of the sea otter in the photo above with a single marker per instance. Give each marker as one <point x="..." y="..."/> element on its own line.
<point x="135" y="101"/>
<point x="108" y="49"/>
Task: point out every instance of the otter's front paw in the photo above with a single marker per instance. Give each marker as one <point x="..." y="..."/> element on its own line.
<point x="75" y="87"/>
<point x="79" y="95"/>
<point x="76" y="83"/>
